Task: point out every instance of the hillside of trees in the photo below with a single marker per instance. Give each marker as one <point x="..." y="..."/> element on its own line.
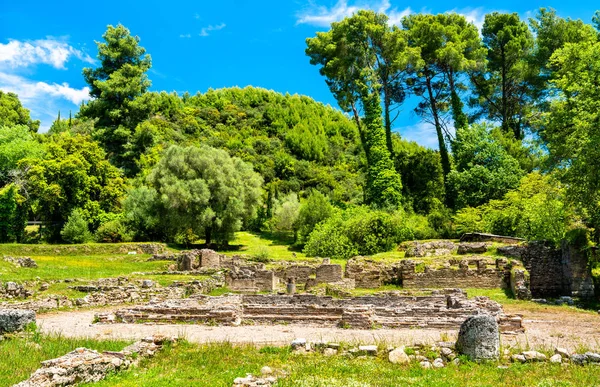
<point x="514" y="107"/>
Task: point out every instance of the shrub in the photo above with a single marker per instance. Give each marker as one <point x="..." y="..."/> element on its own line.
<point x="113" y="231"/>
<point x="285" y="213"/>
<point x="358" y="231"/>
<point x="76" y="229"/>
<point x="314" y="210"/>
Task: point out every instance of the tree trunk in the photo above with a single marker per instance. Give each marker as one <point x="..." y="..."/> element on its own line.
<point x="388" y="123"/>
<point x="208" y="236"/>
<point x="445" y="158"/>
<point x="459" y="117"/>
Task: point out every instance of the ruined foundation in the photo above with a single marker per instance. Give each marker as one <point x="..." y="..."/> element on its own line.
<point x="440" y="309"/>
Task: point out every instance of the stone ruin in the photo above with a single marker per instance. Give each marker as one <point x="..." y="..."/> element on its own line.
<point x="116" y="291"/>
<point x="361" y="272"/>
<point x="554" y="271"/>
<point x="439" y="309"/>
<point x="87" y="366"/>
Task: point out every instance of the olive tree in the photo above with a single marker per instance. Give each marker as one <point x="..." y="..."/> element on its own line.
<point x="202" y="191"/>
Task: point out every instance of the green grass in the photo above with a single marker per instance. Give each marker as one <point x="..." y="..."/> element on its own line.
<point x="277" y="247"/>
<point x="19" y="357"/>
<point x="217" y="365"/>
<point x="53" y="267"/>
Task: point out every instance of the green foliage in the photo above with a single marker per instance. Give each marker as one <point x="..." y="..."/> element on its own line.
<point x="353" y="56"/>
<point x="535" y="211"/>
<point x="570" y="128"/>
<point x="285" y="213"/>
<point x="141" y="214"/>
<point x="73" y="173"/>
<point x="76" y="229"/>
<point x="504" y="91"/>
<point x="112" y="231"/>
<point x="422" y="176"/>
<point x="314" y="210"/>
<point x="120" y="78"/>
<point x="12" y="225"/>
<point x="449" y="46"/>
<point x="365" y="45"/>
<point x="16" y="143"/>
<point x="12" y="113"/>
<point x="357" y="231"/>
<point x="200" y="190"/>
<point x="484" y="170"/>
<point x="384" y="188"/>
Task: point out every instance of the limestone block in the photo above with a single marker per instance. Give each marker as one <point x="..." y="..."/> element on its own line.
<point x="479" y="338"/>
<point x="12" y="320"/>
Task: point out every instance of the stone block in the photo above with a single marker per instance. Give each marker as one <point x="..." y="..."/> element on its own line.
<point x="329" y="273"/>
<point x="14" y="320"/>
<point x="479" y="338"/>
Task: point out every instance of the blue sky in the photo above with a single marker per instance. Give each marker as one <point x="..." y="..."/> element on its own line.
<point x="196" y="45"/>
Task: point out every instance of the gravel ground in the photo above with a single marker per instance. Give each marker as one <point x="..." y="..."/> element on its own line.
<point x="544" y="330"/>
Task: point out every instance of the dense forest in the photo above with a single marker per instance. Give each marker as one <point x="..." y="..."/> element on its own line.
<point x="515" y="107"/>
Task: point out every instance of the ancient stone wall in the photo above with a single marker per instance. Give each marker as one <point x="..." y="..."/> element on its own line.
<point x="556" y="272"/>
<point x="329" y="273"/>
<point x="576" y="272"/>
<point x="439" y="310"/>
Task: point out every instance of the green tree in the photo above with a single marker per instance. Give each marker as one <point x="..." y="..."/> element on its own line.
<point x="422" y="175"/>
<point x="13" y="113"/>
<point x="570" y="128"/>
<point x="16" y="143"/>
<point x="351" y="62"/>
<point x="449" y="46"/>
<point x="73" y="173"/>
<point x="76" y="229"/>
<point x="12" y="214"/>
<point x="314" y="210"/>
<point x="285" y="213"/>
<point x="535" y="210"/>
<point x="504" y="90"/>
<point x="114" y="85"/>
<point x="365" y="40"/>
<point x="204" y="191"/>
<point x="484" y="170"/>
<point x="553" y="32"/>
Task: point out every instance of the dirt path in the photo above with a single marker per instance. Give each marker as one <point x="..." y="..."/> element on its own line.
<point x="544" y="329"/>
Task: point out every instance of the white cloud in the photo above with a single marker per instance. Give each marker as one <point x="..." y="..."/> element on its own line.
<point x="475" y="16"/>
<point x="322" y="16"/>
<point x="53" y="52"/>
<point x="31" y="90"/>
<point x="205" y="31"/>
<point x="187" y="36"/>
<point x="43" y="99"/>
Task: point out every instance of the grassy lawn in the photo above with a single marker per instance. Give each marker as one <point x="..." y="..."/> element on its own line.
<point x="19" y="357"/>
<point x="53" y="267"/>
<point x="273" y="246"/>
<point x="218" y="365"/>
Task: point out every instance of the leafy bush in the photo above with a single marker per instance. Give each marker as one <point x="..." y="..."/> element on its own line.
<point x="76" y="229"/>
<point x="285" y="213"/>
<point x="534" y="211"/>
<point x="113" y="231"/>
<point x="357" y="231"/>
<point x="314" y="210"/>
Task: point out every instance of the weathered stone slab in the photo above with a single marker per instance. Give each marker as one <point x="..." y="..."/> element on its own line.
<point x="479" y="338"/>
<point x="13" y="320"/>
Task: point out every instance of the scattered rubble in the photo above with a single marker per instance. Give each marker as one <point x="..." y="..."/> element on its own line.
<point x="26" y="262"/>
<point x="84" y="365"/>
